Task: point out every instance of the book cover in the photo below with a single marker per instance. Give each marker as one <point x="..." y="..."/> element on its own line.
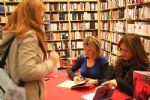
<point x="141" y="85"/>
<point x="103" y="93"/>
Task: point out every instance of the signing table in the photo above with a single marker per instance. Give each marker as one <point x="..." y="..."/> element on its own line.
<point x="53" y="92"/>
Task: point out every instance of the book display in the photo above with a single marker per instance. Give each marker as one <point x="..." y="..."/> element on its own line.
<point x="120" y="17"/>
<point x="2" y="14"/>
<point x="67" y="23"/>
<point x="6" y="7"/>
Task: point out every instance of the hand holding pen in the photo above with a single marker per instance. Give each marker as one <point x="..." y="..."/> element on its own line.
<point x="112" y="83"/>
<point x="78" y="79"/>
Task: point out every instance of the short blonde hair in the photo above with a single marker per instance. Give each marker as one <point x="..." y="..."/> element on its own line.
<point x="94" y="43"/>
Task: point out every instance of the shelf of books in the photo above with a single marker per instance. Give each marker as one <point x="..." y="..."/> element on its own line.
<point x="6" y="7"/>
<point x="2" y="14"/>
<point x="57" y="28"/>
<point x="120" y="17"/>
<point x="67" y="23"/>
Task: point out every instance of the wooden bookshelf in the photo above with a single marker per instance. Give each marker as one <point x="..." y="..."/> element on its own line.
<point x="67" y="23"/>
<point x="2" y="14"/>
<point x="6" y="7"/>
<point x="120" y="17"/>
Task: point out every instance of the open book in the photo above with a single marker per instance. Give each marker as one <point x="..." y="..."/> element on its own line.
<point x="71" y="84"/>
<point x="81" y="85"/>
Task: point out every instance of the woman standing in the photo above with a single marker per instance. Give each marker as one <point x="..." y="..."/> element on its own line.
<point x="26" y="61"/>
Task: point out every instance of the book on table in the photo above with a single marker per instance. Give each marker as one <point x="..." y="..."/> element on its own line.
<point x="101" y="93"/>
<point x="72" y="85"/>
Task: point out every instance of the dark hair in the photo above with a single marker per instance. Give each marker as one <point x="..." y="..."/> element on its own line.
<point x="134" y="43"/>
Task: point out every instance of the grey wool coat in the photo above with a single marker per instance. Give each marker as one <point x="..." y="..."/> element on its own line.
<point x="25" y="62"/>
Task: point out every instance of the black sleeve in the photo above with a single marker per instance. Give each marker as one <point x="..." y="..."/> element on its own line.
<point x="107" y="73"/>
<point x="125" y="87"/>
<point x="74" y="68"/>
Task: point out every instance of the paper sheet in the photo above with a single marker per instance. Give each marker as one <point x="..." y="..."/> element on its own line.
<point x="88" y="96"/>
<point x="67" y="84"/>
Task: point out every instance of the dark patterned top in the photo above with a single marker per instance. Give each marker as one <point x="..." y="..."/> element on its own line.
<point x="124" y="75"/>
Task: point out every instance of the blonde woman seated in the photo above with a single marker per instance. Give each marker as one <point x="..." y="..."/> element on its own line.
<point x="90" y="64"/>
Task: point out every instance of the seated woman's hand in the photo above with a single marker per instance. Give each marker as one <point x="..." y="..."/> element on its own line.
<point x="78" y="79"/>
<point x="92" y="83"/>
<point x="111" y="83"/>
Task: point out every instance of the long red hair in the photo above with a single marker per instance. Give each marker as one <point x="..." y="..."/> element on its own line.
<point x="27" y="16"/>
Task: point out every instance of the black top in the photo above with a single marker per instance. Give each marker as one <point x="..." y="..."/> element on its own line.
<point x="124" y="76"/>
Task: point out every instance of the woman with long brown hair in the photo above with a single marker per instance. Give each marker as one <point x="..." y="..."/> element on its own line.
<point x="133" y="57"/>
<point x="26" y="61"/>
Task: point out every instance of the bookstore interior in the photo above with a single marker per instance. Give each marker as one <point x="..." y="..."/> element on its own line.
<point x="68" y="22"/>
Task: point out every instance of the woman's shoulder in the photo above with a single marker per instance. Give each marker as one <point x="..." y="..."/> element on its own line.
<point x="142" y="67"/>
<point x="82" y="57"/>
<point x="30" y="35"/>
<point x="103" y="59"/>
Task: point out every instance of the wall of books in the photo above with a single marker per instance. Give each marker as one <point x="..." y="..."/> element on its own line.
<point x="67" y="23"/>
<point x="119" y="17"/>
<point x="6" y="7"/>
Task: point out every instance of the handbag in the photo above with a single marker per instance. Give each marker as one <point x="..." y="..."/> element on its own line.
<point x="9" y="90"/>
